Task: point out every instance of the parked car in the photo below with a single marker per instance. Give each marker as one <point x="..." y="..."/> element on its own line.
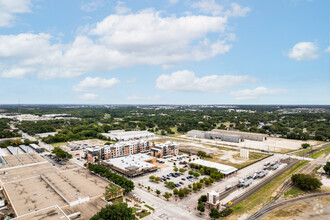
<point x="183" y="179"/>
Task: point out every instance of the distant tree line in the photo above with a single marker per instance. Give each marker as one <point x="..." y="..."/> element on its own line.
<point x="5" y="131"/>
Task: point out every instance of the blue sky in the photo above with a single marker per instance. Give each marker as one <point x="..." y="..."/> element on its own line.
<point x="164" y="52"/>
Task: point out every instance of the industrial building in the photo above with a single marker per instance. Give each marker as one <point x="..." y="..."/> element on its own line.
<point x="224" y="169"/>
<point x="215" y="135"/>
<point x="132" y="165"/>
<point x="26" y="149"/>
<point x="119" y="149"/>
<point x="121" y="135"/>
<point x="13" y="150"/>
<point x="225" y="135"/>
<point x="196" y="134"/>
<point x="161" y="150"/>
<point x="245" y="135"/>
<point x="36" y="148"/>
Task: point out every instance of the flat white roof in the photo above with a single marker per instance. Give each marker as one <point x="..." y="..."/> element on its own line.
<point x="213" y="193"/>
<point x="137" y="160"/>
<point x="128" y="134"/>
<point x="2" y="153"/>
<point x="225" y="169"/>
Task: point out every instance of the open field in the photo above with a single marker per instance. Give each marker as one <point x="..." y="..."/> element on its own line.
<point x="221" y="155"/>
<point x="59" y="144"/>
<point x="320" y="153"/>
<point x="236" y="161"/>
<point x="279" y="145"/>
<point x="316" y="209"/>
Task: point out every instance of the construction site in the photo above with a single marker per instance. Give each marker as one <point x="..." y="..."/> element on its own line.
<point x="36" y="189"/>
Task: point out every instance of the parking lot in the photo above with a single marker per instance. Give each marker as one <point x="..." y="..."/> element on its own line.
<point x="166" y="173"/>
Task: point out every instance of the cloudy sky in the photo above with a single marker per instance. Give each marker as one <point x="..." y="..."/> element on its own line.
<point x="164" y="52"/>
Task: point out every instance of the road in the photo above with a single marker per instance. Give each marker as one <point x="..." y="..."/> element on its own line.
<point x="163" y="209"/>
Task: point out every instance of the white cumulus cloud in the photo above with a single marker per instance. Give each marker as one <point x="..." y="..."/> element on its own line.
<point x="251" y="94"/>
<point x="327" y="50"/>
<point x="211" y="7"/>
<point x="304" y="51"/>
<point x="186" y="80"/>
<point x="88" y="96"/>
<point x="173" y="2"/>
<point x="10" y="8"/>
<point x="142" y="38"/>
<point x="121" y="8"/>
<point x="90" y="83"/>
<point x="91" y="5"/>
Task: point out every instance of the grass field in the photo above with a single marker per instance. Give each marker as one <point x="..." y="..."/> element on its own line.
<point x="59" y="144"/>
<point x="293" y="192"/>
<point x="252" y="155"/>
<point x="320" y="153"/>
<point x="264" y="195"/>
<point x="302" y="152"/>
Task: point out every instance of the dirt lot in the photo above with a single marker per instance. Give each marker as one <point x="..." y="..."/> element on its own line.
<point x="271" y="144"/>
<point x="221" y="155"/>
<point x="316" y="209"/>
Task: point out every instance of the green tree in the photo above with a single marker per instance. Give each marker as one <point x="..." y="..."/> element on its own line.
<point x="152" y="178"/>
<point x="196" y="175"/>
<point x="306" y="182"/>
<point x="181" y="170"/>
<point x="326" y="168"/>
<point x="305" y="145"/>
<point x="214" y="213"/>
<point x="175" y="169"/>
<point x="201" y="208"/>
<point x="181" y="193"/>
<point x="115" y="212"/>
<point x="158" y="192"/>
<point x="167" y="195"/>
<point x="202" y="199"/>
<point x="202" y="171"/>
